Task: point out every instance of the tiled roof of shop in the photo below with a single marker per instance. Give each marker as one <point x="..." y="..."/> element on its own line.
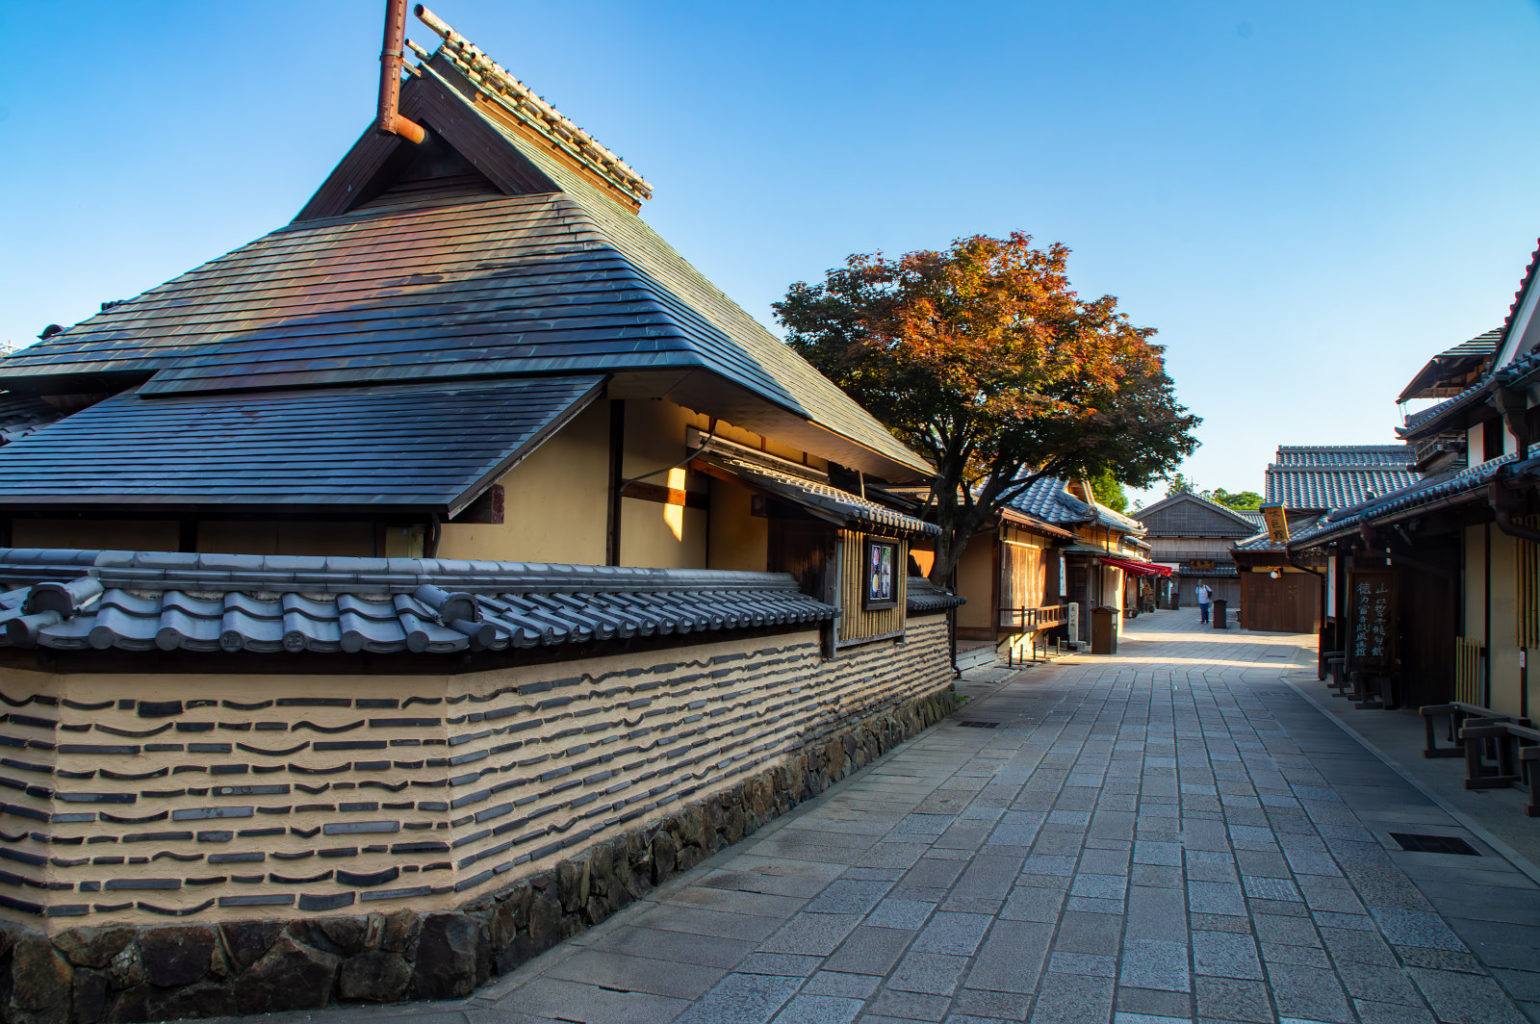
<point x="1046" y="499"/>
<point x="924" y="597"/>
<point x="420" y="446"/>
<point x="532" y="271"/>
<point x="20" y="415"/>
<point x="810" y="489"/>
<point x="1341" y="456"/>
<point x="125" y="600"/>
<point x="1465" y="482"/>
<point x="1325" y="477"/>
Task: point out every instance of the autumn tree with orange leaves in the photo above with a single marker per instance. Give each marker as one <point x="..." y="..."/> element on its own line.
<point x="984" y="359"/>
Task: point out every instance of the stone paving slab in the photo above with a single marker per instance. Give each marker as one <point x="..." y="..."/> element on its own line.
<point x="1170" y="834"/>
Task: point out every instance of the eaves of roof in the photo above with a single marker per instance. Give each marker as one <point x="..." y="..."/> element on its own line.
<point x="1514" y="373"/>
<point x="390" y="447"/>
<point x="1464" y="485"/>
<point x="157" y="601"/>
<point x="925" y="598"/>
<point x="1019" y="518"/>
<point x="1461" y="358"/>
<point x="809" y="489"/>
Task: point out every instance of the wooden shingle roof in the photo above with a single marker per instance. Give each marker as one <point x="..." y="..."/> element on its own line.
<point x="480" y="255"/>
<point x="426" y="447"/>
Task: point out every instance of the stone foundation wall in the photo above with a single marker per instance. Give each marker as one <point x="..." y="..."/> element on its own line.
<point x="127" y="972"/>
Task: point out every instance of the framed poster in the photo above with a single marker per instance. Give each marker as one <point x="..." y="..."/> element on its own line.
<point x="881" y="590"/>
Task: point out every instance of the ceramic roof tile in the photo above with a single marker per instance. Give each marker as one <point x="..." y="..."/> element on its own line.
<point x="1323" y="477"/>
<point x="398" y="445"/>
<point x="924" y="597"/>
<point x="381" y="606"/>
<point x="1460" y="483"/>
<point x="1047" y="499"/>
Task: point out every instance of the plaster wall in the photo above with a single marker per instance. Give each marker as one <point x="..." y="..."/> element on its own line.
<point x="149" y="798"/>
<point x="738" y="539"/>
<point x="976" y="582"/>
<point x="555" y="502"/>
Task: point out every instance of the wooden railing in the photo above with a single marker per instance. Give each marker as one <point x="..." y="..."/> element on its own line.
<point x="1467" y="671"/>
<point x="1031" y="620"/>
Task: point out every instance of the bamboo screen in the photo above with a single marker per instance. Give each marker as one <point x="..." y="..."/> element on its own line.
<point x="1467" y="671"/>
<point x="1527" y="582"/>
<point x="856" y="623"/>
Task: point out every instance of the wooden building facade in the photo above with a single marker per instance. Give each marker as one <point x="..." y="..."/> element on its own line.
<point x="1433" y="594"/>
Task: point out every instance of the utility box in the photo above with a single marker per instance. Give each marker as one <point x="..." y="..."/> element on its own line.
<point x="1104" y="630"/>
<point x="1221" y="607"/>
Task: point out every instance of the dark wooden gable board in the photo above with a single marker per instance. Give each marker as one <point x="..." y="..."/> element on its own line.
<point x="1185" y="515"/>
<point x="377" y="161"/>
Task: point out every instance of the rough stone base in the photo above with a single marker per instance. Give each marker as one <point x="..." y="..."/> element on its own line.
<point x="116" y="973"/>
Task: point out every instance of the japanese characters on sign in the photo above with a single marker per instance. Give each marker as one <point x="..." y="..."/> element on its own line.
<point x="1371" y="603"/>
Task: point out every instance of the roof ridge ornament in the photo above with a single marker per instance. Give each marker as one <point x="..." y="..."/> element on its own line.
<point x="494" y="81"/>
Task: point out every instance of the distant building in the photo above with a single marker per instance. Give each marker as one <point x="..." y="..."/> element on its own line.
<point x="1195" y="536"/>
<point x="1283" y="594"/>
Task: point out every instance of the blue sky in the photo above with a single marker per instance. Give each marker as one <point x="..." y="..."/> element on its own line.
<point x="1307" y="200"/>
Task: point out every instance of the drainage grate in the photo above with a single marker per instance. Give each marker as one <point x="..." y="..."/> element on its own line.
<point x="976" y="724"/>
<point x="1434" y="844"/>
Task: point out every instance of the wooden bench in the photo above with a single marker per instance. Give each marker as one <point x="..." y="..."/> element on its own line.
<point x="1458" y="714"/>
<point x="1517" y="758"/>
<point x="1333" y="665"/>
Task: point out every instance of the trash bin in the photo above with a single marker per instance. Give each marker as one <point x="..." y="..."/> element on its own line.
<point x="1104" y="630"/>
<point x="1220" y="607"/>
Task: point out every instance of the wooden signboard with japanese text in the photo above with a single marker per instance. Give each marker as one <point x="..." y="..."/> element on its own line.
<point x="1371" y="619"/>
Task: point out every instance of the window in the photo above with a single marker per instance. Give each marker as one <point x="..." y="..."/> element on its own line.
<point x="1491" y="439"/>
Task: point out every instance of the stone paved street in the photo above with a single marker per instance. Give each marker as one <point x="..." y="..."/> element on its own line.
<point x="1171" y="834"/>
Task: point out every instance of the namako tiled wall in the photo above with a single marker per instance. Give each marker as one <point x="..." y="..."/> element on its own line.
<point x="142" y="798"/>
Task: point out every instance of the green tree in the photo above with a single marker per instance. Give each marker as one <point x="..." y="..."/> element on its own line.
<point x="1237" y="499"/>
<point x="1180" y="483"/>
<point x="983" y="358"/>
<point x="1106" y="489"/>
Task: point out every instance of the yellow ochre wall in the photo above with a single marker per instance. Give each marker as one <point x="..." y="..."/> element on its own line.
<point x="555" y="502"/>
<point x="976" y="582"/>
<point x="738" y="538"/>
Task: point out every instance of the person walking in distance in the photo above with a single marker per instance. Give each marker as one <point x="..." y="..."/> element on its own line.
<point x="1205" y="598"/>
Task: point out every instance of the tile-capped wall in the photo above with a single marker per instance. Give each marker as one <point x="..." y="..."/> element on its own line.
<point x="138" y="798"/>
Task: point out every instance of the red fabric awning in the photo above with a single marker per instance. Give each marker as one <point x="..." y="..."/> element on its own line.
<point x="1136" y="567"/>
